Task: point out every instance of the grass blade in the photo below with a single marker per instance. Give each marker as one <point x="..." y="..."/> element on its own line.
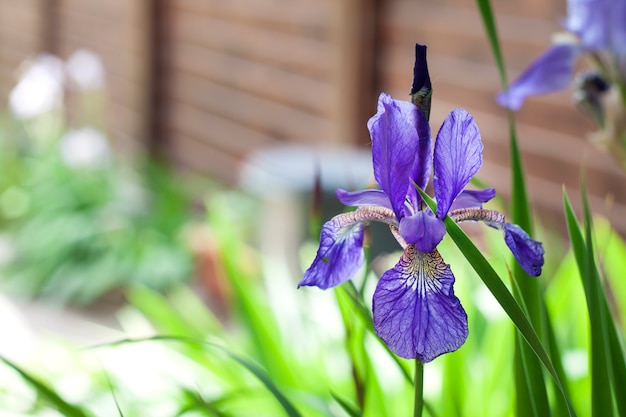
<point x="491" y="279"/>
<point x="252" y="367"/>
<point x="350" y="409"/>
<point x="46" y="393"/>
<point x="601" y="404"/>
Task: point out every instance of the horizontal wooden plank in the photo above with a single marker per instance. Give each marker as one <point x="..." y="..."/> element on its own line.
<point x="110" y="35"/>
<point x="217" y="132"/>
<point x="200" y="157"/>
<point x="538" y="9"/>
<point x="474" y="85"/>
<point x="121" y="64"/>
<point x="27" y="13"/>
<point x="290" y="52"/>
<point x="110" y="10"/>
<point x="278" y="120"/>
<point x="258" y="78"/>
<point x="458" y="31"/>
<point x="313" y="19"/>
<point x="127" y="120"/>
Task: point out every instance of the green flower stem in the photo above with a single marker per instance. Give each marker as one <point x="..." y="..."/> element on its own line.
<point x="418" y="382"/>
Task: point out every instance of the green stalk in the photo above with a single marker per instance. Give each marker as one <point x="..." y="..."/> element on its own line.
<point x="418" y="388"/>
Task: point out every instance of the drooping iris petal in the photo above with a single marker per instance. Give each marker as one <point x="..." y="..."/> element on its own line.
<point x="340" y="254"/>
<point x="457" y="157"/>
<point x="422" y="229"/>
<point x="394" y="146"/>
<point x="415" y="310"/>
<point x="550" y="72"/>
<point x="590" y="20"/>
<point x="528" y="252"/>
<point x="364" y="198"/>
<point x="473" y="198"/>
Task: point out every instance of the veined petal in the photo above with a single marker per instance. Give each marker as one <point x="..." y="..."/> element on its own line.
<point x="422" y="229"/>
<point x="364" y="198"/>
<point x="527" y="252"/>
<point x="340" y="254"/>
<point x="458" y="156"/>
<point x="473" y="198"/>
<point x="395" y="141"/>
<point x="550" y="72"/>
<point x="415" y="310"/>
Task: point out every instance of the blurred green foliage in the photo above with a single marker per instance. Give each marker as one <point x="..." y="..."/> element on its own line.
<point x="74" y="233"/>
<point x="246" y="360"/>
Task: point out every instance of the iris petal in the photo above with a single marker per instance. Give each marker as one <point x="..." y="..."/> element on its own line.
<point x="415" y="310"/>
<point x="394" y="147"/>
<point x="420" y="174"/>
<point x="528" y="252"/>
<point x="422" y="229"/>
<point x="340" y="254"/>
<point x="457" y="157"/>
<point x="364" y="198"/>
<point x="550" y="72"/>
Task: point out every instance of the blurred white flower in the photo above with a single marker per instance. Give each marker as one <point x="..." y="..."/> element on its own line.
<point x="86" y="147"/>
<point x="85" y="69"/>
<point x="39" y="89"/>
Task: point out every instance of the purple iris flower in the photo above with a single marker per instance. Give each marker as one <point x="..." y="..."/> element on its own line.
<point x="599" y="30"/>
<point x="415" y="310"/>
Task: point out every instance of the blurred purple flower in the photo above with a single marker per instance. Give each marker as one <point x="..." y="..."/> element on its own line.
<point x="414" y="307"/>
<point x="599" y="30"/>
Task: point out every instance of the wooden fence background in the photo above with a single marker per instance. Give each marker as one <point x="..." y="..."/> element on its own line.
<point x="206" y="82"/>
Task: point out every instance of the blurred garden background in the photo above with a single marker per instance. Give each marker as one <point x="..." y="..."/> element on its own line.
<point x="160" y="160"/>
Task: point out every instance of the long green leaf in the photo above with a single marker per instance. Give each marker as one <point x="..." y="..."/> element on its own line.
<point x="502" y="294"/>
<point x="529" y="377"/>
<point x="47" y="393"/>
<point x="347" y="407"/>
<point x="491" y="279"/>
<point x="601" y="366"/>
<point x="601" y="404"/>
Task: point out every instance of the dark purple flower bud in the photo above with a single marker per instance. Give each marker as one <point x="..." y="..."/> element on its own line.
<point x="421" y="90"/>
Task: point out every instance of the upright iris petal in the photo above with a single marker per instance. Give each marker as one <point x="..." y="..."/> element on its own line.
<point x="458" y="156"/>
<point x="395" y="143"/>
<point x="415" y="310"/>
